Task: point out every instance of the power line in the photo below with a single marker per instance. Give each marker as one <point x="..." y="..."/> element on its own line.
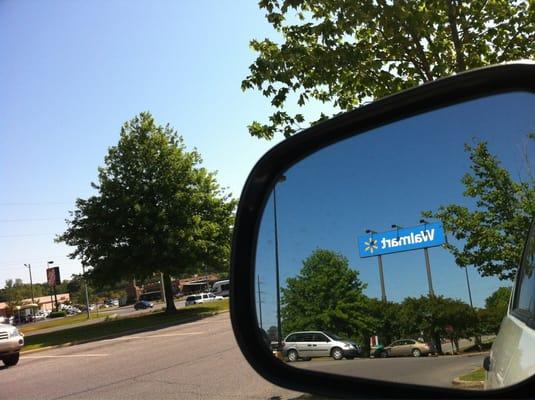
<point x="28" y="235"/>
<point x="44" y="203"/>
<point x="29" y="219"/>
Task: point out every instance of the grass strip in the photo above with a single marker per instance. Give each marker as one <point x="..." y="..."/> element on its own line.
<point x="474" y="376"/>
<point x="115" y="327"/>
<point x="53" y="323"/>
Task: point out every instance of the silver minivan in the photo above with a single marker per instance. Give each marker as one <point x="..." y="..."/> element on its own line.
<point x="309" y="344"/>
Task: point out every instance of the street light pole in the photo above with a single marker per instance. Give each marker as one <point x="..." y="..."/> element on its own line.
<point x="468" y="284"/>
<point x="49" y="263"/>
<point x="279" y="327"/>
<point x="259" y="301"/>
<point x="86" y="294"/>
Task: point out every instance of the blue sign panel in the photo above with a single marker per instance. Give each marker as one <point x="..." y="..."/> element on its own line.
<point x="403" y="239"/>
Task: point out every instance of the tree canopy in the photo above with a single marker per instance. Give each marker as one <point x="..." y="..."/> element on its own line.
<point x="344" y="52"/>
<point x="156" y="210"/>
<point x="492" y="234"/>
<point x="326" y="295"/>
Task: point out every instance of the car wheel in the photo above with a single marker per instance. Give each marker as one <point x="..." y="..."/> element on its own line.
<point x="384" y="354"/>
<point x="416" y="353"/>
<point x="337" y="354"/>
<point x="11" y="360"/>
<point x="292" y="356"/>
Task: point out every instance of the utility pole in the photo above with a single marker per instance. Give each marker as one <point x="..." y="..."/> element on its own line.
<point x="162" y="288"/>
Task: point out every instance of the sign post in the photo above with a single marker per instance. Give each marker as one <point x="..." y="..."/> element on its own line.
<point x="428" y="268"/>
<point x="53" y="279"/>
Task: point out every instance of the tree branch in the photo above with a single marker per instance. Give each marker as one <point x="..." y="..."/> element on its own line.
<point x="459" y="56"/>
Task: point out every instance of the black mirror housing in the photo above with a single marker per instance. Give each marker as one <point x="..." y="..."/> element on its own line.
<point x="470" y="85"/>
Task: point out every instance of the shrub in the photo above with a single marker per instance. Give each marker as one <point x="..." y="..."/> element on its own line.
<point x="57" y="314"/>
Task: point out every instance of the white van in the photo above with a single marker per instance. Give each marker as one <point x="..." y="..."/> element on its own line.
<point x="512" y="357"/>
<point x="221" y="288"/>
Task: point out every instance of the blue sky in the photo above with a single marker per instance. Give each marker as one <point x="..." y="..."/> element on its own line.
<point x="73" y="72"/>
<point x="388" y="176"/>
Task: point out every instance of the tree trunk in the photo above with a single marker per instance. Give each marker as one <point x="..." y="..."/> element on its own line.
<point x="438" y="344"/>
<point x="169" y="296"/>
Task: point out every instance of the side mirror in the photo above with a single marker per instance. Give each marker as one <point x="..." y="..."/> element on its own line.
<point x="402" y="220"/>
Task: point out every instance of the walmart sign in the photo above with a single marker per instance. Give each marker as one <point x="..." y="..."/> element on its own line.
<point x="404" y="239"/>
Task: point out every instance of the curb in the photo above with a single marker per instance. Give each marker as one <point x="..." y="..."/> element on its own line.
<point x="468" y="384"/>
<point x="116" y="335"/>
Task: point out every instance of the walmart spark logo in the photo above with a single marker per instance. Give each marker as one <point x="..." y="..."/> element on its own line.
<point x="370" y="245"/>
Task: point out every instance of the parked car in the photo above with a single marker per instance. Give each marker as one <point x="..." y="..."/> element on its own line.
<point x="40" y="315"/>
<point x="11" y="341"/>
<point x="73" y="311"/>
<point x="202" y="298"/>
<point x="112" y="303"/>
<point x="143" y="304"/>
<point x="407" y="347"/>
<point x="306" y="345"/>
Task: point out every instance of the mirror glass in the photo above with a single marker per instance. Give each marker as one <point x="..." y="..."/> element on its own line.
<point x="394" y="252"/>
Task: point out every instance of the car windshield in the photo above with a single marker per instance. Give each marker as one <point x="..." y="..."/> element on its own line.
<point x="127" y="134"/>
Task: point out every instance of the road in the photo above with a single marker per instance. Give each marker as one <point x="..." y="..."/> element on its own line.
<point x="198" y="360"/>
<point x="435" y="371"/>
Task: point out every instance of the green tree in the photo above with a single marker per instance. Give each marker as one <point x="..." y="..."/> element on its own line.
<point x="389" y="324"/>
<point x="495" y="309"/>
<point x="345" y="52"/>
<point x="326" y="295"/>
<point x="431" y="315"/>
<point x="273" y="333"/>
<point x="491" y="235"/>
<point x="156" y="210"/>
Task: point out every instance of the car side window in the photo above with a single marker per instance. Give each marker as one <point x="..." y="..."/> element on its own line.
<point x="291" y="338"/>
<point x="320" y="337"/>
<point x="308" y="337"/>
<point x="524" y="301"/>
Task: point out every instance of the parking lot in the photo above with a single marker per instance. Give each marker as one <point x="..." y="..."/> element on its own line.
<point x="435" y="371"/>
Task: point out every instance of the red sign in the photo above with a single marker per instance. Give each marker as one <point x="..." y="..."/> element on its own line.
<point x="52" y="276"/>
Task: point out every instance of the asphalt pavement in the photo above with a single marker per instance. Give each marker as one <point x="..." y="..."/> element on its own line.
<point x="197" y="360"/>
<point x="433" y="371"/>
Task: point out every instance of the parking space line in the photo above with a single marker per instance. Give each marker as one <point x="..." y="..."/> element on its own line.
<point x="163" y="335"/>
<point x="66" y="356"/>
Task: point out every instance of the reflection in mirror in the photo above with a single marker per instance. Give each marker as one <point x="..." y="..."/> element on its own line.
<point x="391" y="255"/>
